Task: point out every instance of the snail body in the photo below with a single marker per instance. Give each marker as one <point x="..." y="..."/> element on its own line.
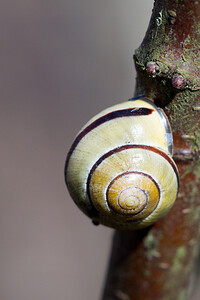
<point x="120" y="170"/>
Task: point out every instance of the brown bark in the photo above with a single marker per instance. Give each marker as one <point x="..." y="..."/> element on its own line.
<point x="159" y="262"/>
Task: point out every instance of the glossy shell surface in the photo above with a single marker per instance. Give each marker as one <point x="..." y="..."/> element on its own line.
<point x="119" y="170"/>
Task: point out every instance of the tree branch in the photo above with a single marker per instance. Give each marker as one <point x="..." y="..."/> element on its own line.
<point x="159" y="262"/>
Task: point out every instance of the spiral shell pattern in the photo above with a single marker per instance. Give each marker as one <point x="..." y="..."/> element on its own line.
<point x="119" y="170"/>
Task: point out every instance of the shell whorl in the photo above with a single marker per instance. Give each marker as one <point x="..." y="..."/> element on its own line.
<point x="128" y="193"/>
<point x="133" y="194"/>
<point x="119" y="169"/>
<point x="134" y="170"/>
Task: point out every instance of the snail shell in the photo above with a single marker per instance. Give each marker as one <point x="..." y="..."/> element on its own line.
<point x="120" y="170"/>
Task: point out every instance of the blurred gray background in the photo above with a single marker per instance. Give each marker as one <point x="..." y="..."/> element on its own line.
<point x="61" y="63"/>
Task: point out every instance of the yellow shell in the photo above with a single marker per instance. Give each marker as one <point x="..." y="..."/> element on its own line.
<point x="119" y="170"/>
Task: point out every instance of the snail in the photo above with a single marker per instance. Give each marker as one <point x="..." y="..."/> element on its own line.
<point x="119" y="170"/>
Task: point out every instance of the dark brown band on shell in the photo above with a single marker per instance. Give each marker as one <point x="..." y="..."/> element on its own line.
<point x="130" y="112"/>
<point x="126" y="147"/>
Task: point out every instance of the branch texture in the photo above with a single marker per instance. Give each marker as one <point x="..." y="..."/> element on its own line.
<point x="160" y="262"/>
